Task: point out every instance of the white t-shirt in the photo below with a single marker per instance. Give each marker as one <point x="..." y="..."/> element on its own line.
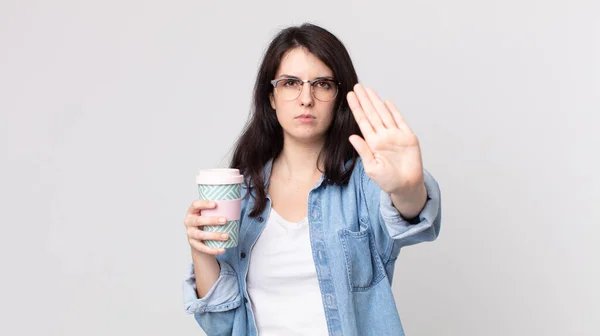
<point x="282" y="281"/>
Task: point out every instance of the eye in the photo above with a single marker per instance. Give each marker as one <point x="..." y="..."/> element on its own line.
<point x="290" y="82"/>
<point x="324" y="84"/>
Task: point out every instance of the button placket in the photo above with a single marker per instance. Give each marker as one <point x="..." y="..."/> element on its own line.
<point x="321" y="263"/>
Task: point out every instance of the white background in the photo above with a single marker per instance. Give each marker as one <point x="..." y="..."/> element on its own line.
<point x="108" y="108"/>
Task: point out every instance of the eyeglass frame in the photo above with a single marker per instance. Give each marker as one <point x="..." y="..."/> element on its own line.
<point x="311" y="82"/>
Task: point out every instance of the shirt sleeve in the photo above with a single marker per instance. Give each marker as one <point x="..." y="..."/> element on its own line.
<point x="392" y="231"/>
<point x="425" y="227"/>
<point x="223" y="296"/>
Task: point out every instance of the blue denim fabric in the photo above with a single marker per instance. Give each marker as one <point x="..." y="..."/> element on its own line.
<point x="356" y="235"/>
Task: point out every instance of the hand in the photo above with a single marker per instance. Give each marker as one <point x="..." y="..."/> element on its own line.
<point x="390" y="150"/>
<point x="194" y="221"/>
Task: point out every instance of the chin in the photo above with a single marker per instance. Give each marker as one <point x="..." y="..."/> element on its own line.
<point x="306" y="136"/>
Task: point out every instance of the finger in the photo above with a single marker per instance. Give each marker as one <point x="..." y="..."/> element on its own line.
<point x="202" y="248"/>
<point x="210" y="220"/>
<point x="359" y="115"/>
<point x="202" y="235"/>
<point x="384" y="113"/>
<point x="397" y="116"/>
<point x="363" y="149"/>
<point x="199" y="205"/>
<point x="367" y="106"/>
<point x="195" y="220"/>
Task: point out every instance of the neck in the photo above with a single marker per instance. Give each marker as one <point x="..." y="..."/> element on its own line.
<point x="298" y="160"/>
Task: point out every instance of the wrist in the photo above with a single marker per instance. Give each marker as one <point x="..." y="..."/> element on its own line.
<point x="410" y="204"/>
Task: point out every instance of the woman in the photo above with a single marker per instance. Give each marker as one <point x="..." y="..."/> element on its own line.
<point x="335" y="187"/>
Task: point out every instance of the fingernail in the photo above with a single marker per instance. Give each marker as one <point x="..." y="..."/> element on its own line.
<point x="212" y="204"/>
<point x="224" y="235"/>
<point x="222" y="220"/>
<point x="222" y="250"/>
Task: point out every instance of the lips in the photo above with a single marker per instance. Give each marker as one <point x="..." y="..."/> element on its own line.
<point x="306" y="116"/>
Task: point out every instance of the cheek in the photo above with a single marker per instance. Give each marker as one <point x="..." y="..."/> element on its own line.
<point x="284" y="109"/>
<point x="329" y="116"/>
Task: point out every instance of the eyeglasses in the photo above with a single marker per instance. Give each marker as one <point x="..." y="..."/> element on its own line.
<point x="290" y="88"/>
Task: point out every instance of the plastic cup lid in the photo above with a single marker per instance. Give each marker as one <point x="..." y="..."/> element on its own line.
<point x="219" y="176"/>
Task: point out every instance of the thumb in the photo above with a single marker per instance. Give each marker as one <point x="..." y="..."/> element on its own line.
<point x="363" y="149"/>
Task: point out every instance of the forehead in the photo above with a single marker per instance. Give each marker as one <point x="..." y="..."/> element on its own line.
<point x="302" y="63"/>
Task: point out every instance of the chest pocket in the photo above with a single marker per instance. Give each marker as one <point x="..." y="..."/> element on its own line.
<point x="363" y="264"/>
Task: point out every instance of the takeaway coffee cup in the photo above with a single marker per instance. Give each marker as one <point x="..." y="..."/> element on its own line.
<point x="224" y="187"/>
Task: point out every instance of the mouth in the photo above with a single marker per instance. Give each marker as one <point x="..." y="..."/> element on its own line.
<point x="306" y="116"/>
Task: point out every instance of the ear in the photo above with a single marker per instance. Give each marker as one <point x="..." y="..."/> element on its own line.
<point x="272" y="100"/>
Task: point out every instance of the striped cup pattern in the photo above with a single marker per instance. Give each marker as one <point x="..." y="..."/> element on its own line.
<point x="220" y="192"/>
<point x="217" y="193"/>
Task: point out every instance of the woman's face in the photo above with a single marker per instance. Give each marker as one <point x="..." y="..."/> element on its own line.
<point x="304" y="118"/>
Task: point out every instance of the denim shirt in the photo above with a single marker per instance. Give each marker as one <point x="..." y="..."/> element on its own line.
<point x="356" y="235"/>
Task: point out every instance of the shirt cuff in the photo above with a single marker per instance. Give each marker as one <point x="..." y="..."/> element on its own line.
<point x="397" y="226"/>
<point x="224" y="294"/>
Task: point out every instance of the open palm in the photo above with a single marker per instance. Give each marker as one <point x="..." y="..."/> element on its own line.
<point x="390" y="150"/>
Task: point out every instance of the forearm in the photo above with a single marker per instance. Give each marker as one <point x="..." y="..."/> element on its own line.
<point x="206" y="270"/>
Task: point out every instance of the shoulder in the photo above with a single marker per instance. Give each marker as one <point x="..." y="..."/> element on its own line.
<point x="359" y="177"/>
<point x="358" y="182"/>
<point x="358" y="170"/>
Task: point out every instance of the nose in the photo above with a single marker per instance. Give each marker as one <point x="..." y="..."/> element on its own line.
<point x="306" y="97"/>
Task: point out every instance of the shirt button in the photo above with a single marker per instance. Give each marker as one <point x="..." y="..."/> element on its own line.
<point x="260" y="219"/>
<point x="245" y="300"/>
<point x="243" y="255"/>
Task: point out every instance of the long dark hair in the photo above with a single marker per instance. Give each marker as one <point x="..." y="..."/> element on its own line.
<point x="262" y="138"/>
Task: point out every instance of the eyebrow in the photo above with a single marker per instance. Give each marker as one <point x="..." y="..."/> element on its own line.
<point x="296" y="77"/>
